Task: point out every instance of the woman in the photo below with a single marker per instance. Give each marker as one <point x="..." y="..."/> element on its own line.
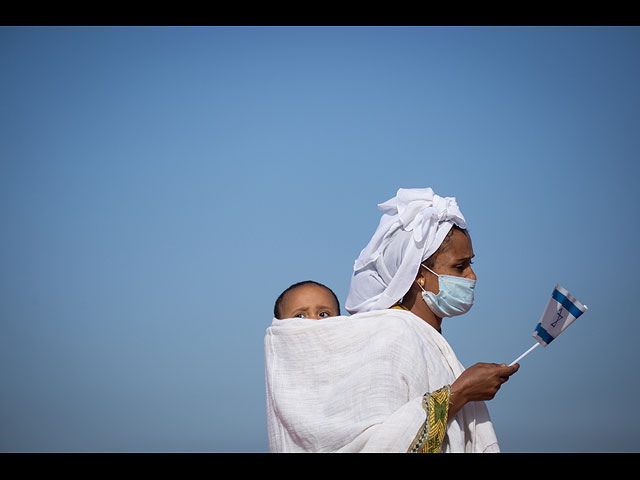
<point x="385" y="379"/>
<point x="420" y="260"/>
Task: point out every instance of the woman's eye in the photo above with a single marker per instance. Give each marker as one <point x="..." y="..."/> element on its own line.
<point x="462" y="268"/>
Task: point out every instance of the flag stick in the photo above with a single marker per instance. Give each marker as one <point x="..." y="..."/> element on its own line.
<point x="525" y="354"/>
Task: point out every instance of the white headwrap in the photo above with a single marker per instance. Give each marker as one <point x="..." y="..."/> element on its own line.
<point x="412" y="227"/>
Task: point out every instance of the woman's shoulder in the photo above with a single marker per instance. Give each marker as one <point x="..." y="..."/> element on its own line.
<point x="393" y="324"/>
<point x="393" y="319"/>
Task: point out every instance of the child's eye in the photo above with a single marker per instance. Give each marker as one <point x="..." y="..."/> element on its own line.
<point x="300" y="315"/>
<point x="324" y="314"/>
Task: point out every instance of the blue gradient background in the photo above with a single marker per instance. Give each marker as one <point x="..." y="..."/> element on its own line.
<point x="161" y="186"/>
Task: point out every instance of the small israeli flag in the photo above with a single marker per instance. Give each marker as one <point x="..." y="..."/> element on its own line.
<point x="561" y="312"/>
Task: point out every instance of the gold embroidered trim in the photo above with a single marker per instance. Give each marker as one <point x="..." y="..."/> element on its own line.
<point x="400" y="306"/>
<point x="430" y="436"/>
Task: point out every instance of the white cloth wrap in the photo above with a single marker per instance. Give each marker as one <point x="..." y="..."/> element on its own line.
<point x="412" y="227"/>
<point x="355" y="384"/>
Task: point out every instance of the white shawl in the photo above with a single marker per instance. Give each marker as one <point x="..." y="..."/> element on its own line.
<point x="355" y="384"/>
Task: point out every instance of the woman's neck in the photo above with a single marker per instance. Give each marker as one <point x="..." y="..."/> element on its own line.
<point x="413" y="302"/>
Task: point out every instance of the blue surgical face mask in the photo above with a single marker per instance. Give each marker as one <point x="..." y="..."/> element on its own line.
<point x="454" y="298"/>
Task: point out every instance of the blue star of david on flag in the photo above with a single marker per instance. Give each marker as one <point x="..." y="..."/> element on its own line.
<point x="561" y="311"/>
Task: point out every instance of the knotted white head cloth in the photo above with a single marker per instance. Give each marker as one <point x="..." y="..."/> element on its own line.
<point x="412" y="227"/>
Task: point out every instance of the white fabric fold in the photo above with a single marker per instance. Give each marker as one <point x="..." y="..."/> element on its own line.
<point x="355" y="384"/>
<point x="413" y="225"/>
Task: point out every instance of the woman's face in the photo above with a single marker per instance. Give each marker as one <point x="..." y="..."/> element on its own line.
<point x="454" y="260"/>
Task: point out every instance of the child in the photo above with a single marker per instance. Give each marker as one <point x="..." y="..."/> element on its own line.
<point x="307" y="299"/>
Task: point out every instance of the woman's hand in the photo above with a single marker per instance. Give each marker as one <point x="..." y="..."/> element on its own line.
<point x="478" y="382"/>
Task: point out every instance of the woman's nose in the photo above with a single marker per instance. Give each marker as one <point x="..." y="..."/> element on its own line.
<point x="471" y="274"/>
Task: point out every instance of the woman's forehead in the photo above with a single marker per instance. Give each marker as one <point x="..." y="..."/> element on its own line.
<point x="459" y="248"/>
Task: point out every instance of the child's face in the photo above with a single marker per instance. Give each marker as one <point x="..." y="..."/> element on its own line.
<point x="308" y="301"/>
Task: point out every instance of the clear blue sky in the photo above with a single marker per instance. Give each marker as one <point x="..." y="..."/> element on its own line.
<point x="161" y="186"/>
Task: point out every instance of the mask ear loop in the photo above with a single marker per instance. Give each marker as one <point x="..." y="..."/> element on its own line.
<point x="423" y="265"/>
<point x="421" y="287"/>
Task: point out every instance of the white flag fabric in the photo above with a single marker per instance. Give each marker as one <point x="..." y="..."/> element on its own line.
<point x="561" y="312"/>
